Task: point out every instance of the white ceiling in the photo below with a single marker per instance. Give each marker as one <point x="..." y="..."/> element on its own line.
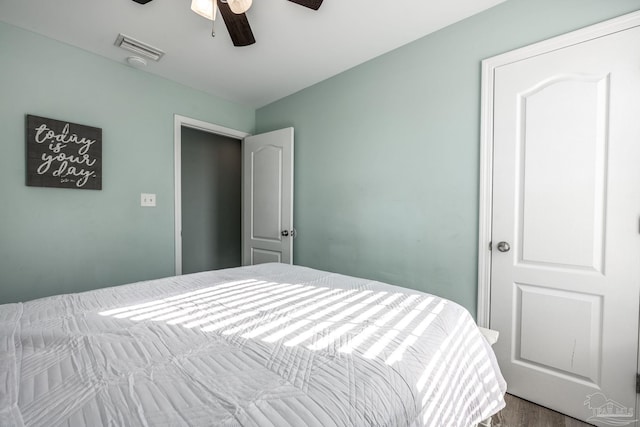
<point x="295" y="47"/>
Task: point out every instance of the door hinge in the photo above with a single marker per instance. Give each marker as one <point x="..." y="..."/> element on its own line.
<point x="638" y="383"/>
<point x="490" y="246"/>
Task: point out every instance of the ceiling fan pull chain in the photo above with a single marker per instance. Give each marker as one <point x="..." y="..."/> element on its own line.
<point x="213" y="28"/>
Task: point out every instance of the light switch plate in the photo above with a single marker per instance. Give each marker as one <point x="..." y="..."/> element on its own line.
<point x="148" y="200"/>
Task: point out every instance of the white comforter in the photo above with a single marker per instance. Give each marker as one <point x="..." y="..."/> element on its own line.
<point x="269" y="345"/>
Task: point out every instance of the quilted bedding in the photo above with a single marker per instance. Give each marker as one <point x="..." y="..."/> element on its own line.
<point x="268" y="345"/>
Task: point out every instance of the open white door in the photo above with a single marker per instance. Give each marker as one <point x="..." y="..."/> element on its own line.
<point x="267" y="223"/>
<point x="566" y="251"/>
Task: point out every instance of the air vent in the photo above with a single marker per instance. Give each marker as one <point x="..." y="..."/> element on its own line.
<point x="138" y="47"/>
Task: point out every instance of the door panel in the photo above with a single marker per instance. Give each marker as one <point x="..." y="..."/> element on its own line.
<point x="569" y="337"/>
<point x="261" y="256"/>
<point x="566" y="198"/>
<point x="266" y="163"/>
<point x="268" y="198"/>
<point x="562" y="128"/>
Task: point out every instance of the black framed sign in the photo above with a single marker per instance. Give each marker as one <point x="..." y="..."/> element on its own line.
<point x="63" y="154"/>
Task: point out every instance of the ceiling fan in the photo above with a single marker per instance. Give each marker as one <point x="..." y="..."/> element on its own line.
<point x="233" y="14"/>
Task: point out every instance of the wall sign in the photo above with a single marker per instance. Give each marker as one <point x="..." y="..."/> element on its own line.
<point x="62" y="154"/>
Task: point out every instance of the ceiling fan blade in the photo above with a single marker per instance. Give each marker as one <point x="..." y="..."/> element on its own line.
<point x="238" y="26"/>
<point x="311" y="4"/>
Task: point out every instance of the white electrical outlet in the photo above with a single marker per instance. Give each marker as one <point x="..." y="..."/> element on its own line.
<point x="148" y="200"/>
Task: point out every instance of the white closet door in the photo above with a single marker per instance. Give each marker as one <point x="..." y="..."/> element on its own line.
<point x="268" y="198"/>
<point x="566" y="245"/>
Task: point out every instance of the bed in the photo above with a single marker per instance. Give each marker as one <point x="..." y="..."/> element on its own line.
<point x="267" y="345"/>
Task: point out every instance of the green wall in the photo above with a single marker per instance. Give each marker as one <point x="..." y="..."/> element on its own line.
<point x="60" y="240"/>
<point x="386" y="178"/>
<point x="387" y="153"/>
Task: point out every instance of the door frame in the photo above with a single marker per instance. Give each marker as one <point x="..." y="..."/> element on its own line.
<point x="489" y="67"/>
<point x="178" y="123"/>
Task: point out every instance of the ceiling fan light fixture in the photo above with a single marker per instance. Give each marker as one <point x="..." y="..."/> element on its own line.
<point x="205" y="8"/>
<point x="239" y="6"/>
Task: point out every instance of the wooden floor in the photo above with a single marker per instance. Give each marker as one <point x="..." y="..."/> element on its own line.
<point x="520" y="412"/>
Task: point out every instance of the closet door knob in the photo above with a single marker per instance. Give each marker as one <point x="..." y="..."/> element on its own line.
<point x="504" y="247"/>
